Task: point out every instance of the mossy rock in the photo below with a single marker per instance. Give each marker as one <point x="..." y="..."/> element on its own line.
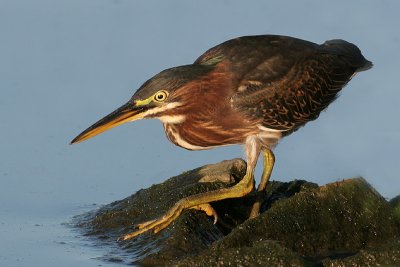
<point x="339" y="224"/>
<point x="386" y="255"/>
<point x="260" y="253"/>
<point x="395" y="203"/>
<point x="341" y="217"/>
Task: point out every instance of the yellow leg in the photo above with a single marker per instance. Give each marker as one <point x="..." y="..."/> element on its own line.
<point x="199" y="201"/>
<point x="202" y="207"/>
<point x="269" y="161"/>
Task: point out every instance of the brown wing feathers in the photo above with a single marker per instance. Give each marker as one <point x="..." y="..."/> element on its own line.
<point x="287" y="82"/>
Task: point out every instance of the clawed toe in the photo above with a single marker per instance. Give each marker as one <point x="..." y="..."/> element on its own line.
<point x="200" y="202"/>
<point x="144" y="224"/>
<point x="159" y="224"/>
<point x="208" y="209"/>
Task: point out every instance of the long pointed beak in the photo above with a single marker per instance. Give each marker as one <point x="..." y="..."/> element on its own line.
<point x="128" y="112"/>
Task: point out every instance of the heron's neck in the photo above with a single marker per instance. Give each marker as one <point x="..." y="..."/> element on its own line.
<point x="172" y="119"/>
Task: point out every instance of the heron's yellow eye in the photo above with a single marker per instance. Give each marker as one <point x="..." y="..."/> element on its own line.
<point x="160" y="96"/>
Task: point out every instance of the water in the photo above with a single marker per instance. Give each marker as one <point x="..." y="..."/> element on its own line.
<point x="65" y="64"/>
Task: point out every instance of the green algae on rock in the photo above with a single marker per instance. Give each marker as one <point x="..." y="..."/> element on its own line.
<point x="395" y="203"/>
<point x="345" y="223"/>
<point x="344" y="216"/>
<point x="386" y="255"/>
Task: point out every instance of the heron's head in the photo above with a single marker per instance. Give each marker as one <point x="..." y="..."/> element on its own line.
<point x="156" y="98"/>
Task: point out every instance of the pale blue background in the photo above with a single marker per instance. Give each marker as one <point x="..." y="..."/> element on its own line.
<point x="65" y="64"/>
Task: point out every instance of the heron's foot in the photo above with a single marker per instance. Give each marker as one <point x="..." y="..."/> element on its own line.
<point x="144" y="224"/>
<point x="159" y="224"/>
<point x="207" y="208"/>
<point x="200" y="202"/>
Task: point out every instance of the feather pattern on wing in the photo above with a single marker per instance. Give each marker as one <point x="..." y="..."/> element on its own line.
<point x="285" y="81"/>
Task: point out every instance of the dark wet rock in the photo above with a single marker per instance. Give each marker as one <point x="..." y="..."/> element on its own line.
<point x="340" y="224"/>
<point x="192" y="232"/>
<point x="260" y="253"/>
<point x="386" y="255"/>
<point x="395" y="203"/>
<point x="343" y="216"/>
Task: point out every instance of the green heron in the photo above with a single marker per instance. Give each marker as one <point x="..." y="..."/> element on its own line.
<point x="251" y="90"/>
